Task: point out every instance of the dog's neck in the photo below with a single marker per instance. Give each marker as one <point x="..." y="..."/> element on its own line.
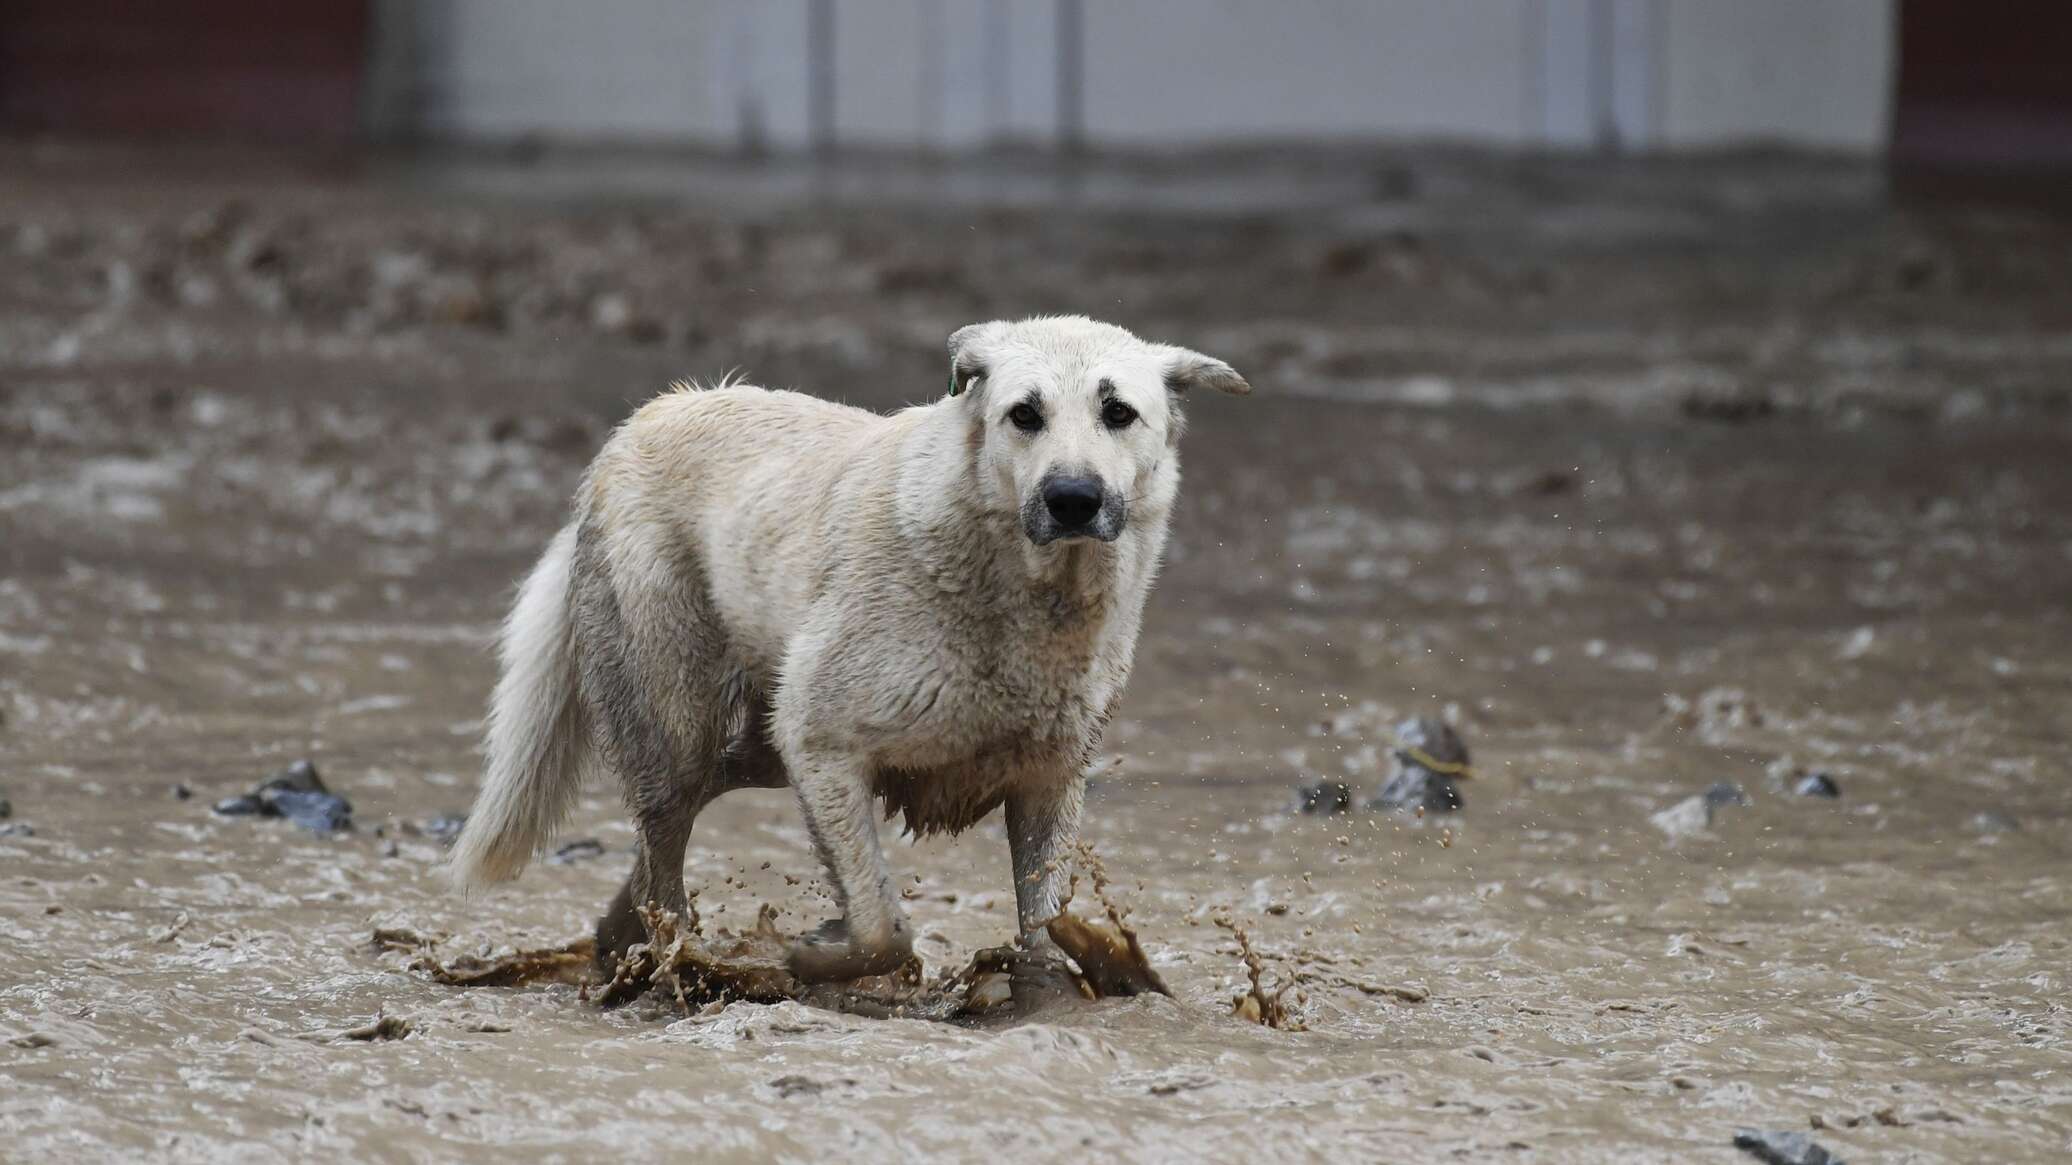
<point x="1075" y="580"/>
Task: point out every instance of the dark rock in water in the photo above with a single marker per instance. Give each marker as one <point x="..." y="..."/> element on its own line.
<point x="578" y="851"/>
<point x="300" y="777"/>
<point x="1324" y="798"/>
<point x="1725" y="793"/>
<point x="1429" y="762"/>
<point x="318" y="812"/>
<point x="297" y="794"/>
<point x="1776" y="1148"/>
<point x="242" y="805"/>
<point x="1416" y="787"/>
<point x="1817" y="785"/>
<point x="6" y="807"/>
<point x="182" y="793"/>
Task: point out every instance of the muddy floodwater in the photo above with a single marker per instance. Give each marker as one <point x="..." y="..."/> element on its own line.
<point x="1648" y="478"/>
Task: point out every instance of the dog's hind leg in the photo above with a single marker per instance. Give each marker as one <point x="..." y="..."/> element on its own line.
<point x="653" y="676"/>
<point x="657" y="876"/>
<point x="619" y="928"/>
<point x="748" y="761"/>
<point x="663" y="812"/>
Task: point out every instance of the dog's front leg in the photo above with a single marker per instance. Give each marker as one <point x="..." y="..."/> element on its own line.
<point x="872" y="937"/>
<point x="1042" y="829"/>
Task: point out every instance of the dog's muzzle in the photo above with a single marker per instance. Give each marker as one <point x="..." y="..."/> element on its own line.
<point x="1073" y="506"/>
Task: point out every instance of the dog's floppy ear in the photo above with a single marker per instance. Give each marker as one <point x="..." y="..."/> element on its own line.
<point x="1186" y="370"/>
<point x="968" y="358"/>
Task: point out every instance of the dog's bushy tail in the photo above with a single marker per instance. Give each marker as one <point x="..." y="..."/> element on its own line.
<point x="535" y="739"/>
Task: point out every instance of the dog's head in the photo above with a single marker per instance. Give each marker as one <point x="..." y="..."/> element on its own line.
<point x="1075" y="421"/>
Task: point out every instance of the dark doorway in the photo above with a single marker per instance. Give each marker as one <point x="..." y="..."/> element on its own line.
<point x="203" y="68"/>
<point x="1984" y="85"/>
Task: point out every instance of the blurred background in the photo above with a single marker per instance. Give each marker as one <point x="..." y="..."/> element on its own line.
<point x="1675" y="396"/>
<point x="1917" y="79"/>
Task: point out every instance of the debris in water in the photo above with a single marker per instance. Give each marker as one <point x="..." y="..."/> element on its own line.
<point x="443" y="829"/>
<point x="383" y="1027"/>
<point x="173" y="932"/>
<point x="6" y="807"/>
<point x="1324" y="797"/>
<point x="1725" y="793"/>
<point x="682" y="963"/>
<point x="1692" y="815"/>
<point x="577" y="851"/>
<point x="17" y="829"/>
<point x="297" y="794"/>
<point x="694" y="970"/>
<point x="1782" y="776"/>
<point x="182" y="793"/>
<point x="1817" y="785"/>
<point x="564" y="964"/>
<point x="1778" y="1148"/>
<point x="1429" y="761"/>
<point x="1889" y="1117"/>
<point x="754" y="967"/>
<point x="1257" y="1004"/>
<point x="789" y="1086"/>
<point x="1987" y="821"/>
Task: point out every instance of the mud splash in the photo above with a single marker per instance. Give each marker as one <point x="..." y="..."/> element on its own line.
<point x="694" y="970"/>
<point x="568" y="964"/>
<point x="681" y="963"/>
<point x="1257" y="1004"/>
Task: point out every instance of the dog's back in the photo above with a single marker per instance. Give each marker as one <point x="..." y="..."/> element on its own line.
<point x="743" y="492"/>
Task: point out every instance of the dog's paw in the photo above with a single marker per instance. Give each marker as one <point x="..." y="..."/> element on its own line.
<point x="1040" y="976"/>
<point x="828" y="956"/>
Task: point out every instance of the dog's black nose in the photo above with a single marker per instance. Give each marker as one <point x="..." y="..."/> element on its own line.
<point x="1073" y="501"/>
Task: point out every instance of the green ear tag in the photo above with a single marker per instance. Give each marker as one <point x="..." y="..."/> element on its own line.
<point x="954" y="388"/>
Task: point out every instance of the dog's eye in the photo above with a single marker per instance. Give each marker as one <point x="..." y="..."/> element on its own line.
<point x="1025" y="418"/>
<point x="1117" y="415"/>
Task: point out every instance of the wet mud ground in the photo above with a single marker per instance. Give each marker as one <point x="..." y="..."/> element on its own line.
<point x="1649" y="476"/>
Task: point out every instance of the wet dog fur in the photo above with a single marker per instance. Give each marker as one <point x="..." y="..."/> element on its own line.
<point x="935" y="610"/>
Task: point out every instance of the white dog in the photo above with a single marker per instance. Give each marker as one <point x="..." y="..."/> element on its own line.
<point x="937" y="608"/>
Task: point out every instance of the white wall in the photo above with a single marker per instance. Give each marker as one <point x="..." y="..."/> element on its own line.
<point x="945" y="74"/>
<point x="952" y="74"/>
<point x="1812" y="73"/>
<point x="1164" y="71"/>
<point x="643" y="70"/>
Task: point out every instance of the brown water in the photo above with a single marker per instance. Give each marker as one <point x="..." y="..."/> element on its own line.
<point x="274" y="446"/>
